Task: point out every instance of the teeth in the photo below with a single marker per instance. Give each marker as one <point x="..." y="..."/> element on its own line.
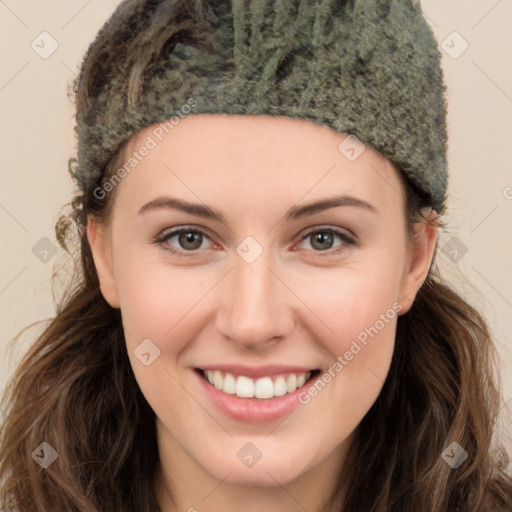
<point x="229" y="384"/>
<point x="301" y="379"/>
<point x="265" y="387"/>
<point x="280" y="386"/>
<point x="217" y="379"/>
<point x="291" y="383"/>
<point x="244" y="387"/>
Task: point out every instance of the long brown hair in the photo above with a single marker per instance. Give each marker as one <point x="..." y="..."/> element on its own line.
<point x="75" y="389"/>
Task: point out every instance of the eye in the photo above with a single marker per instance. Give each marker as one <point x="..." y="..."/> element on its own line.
<point x="323" y="239"/>
<point x="188" y="239"/>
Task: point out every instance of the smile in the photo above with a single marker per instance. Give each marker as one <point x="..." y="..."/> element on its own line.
<point x="263" y="388"/>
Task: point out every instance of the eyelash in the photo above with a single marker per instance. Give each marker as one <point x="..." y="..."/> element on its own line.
<point x="162" y="239"/>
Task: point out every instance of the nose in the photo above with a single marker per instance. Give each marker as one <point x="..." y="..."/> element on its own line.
<point x="256" y="308"/>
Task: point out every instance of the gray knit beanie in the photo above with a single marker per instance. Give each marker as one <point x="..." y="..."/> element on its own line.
<point x="369" y="68"/>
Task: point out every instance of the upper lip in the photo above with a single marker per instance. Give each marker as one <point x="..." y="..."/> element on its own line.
<point x="257" y="372"/>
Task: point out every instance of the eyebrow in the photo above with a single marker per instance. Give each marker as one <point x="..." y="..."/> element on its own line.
<point x="294" y="213"/>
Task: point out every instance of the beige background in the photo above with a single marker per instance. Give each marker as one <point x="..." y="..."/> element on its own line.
<point x="36" y="139"/>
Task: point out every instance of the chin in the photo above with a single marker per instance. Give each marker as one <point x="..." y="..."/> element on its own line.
<point x="278" y="469"/>
<point x="265" y="476"/>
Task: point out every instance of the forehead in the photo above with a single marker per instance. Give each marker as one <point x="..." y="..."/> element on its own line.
<point x="256" y="161"/>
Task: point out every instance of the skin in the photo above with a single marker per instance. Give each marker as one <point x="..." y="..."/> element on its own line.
<point x="295" y="304"/>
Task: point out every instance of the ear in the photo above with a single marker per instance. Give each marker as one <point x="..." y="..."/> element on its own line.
<point x="420" y="255"/>
<point x="98" y="241"/>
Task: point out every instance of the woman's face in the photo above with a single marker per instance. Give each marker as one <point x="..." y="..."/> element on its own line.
<point x="293" y="261"/>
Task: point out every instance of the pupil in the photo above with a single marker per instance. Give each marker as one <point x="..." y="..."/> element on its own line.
<point x="319" y="238"/>
<point x="190" y="238"/>
<point x="322" y="238"/>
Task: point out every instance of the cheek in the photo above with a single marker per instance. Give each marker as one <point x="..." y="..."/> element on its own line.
<point x="358" y="311"/>
<point x="340" y="315"/>
<point x="339" y="305"/>
<point x="156" y="300"/>
<point x="163" y="305"/>
<point x="349" y="301"/>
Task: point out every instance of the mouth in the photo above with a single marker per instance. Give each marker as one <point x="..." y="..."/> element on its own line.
<point x="263" y="388"/>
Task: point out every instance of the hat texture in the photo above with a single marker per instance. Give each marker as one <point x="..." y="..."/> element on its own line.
<point x="369" y="68"/>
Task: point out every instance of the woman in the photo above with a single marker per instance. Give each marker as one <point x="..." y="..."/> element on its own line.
<point x="258" y="323"/>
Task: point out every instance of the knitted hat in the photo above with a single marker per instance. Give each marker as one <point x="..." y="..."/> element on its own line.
<point x="369" y="68"/>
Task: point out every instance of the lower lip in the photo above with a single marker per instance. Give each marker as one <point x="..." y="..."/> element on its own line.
<point x="253" y="410"/>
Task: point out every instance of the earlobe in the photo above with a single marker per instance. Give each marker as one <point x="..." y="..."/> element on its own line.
<point x="420" y="259"/>
<point x="97" y="239"/>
